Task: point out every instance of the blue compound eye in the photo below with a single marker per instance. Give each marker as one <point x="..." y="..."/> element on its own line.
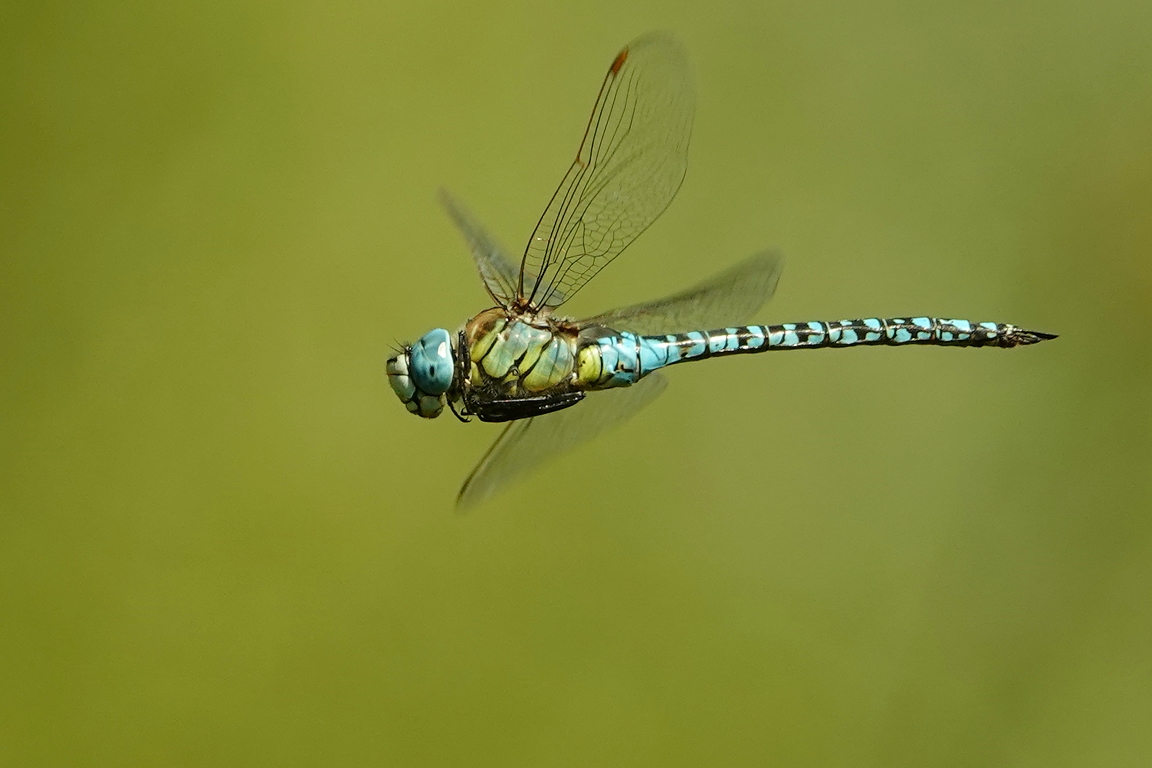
<point x="430" y="362"/>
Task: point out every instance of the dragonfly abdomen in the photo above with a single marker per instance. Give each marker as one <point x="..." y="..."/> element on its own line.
<point x="624" y="358"/>
<point x="895" y="331"/>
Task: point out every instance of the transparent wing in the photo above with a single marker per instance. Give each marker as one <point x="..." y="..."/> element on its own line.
<point x="729" y="298"/>
<point x="629" y="167"/>
<point x="497" y="270"/>
<point x="525" y="445"/>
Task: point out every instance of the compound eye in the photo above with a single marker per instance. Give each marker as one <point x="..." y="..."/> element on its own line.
<point x="430" y="362"/>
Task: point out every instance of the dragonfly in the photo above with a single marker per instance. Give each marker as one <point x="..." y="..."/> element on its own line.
<point x="559" y="381"/>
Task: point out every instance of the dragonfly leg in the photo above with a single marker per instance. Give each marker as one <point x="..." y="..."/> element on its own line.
<point x="509" y="409"/>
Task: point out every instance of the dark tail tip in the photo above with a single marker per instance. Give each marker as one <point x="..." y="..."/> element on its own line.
<point x="1020" y="337"/>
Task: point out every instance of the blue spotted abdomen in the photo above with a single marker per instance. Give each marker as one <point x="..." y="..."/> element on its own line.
<point x="621" y="358"/>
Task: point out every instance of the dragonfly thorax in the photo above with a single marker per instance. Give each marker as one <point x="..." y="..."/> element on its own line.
<point x="422" y="374"/>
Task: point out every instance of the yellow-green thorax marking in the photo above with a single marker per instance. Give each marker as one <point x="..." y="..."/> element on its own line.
<point x="519" y="355"/>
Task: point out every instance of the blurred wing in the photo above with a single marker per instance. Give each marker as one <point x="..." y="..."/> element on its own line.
<point x="524" y="445"/>
<point x="499" y="273"/>
<point x="729" y="298"/>
<point x="497" y="270"/>
<point x="629" y="167"/>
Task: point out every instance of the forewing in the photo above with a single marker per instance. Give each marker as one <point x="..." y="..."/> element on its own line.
<point x="525" y="445"/>
<point x="729" y="298"/>
<point x="629" y="167"/>
<point x="497" y="270"/>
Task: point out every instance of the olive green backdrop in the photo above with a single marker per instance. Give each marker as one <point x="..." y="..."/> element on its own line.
<point x="224" y="542"/>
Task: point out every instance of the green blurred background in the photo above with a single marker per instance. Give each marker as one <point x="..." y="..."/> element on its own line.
<point x="224" y="542"/>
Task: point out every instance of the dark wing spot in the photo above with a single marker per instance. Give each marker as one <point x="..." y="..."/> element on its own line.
<point x="618" y="62"/>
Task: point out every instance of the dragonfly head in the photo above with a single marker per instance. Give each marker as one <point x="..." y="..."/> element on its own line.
<point x="422" y="374"/>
